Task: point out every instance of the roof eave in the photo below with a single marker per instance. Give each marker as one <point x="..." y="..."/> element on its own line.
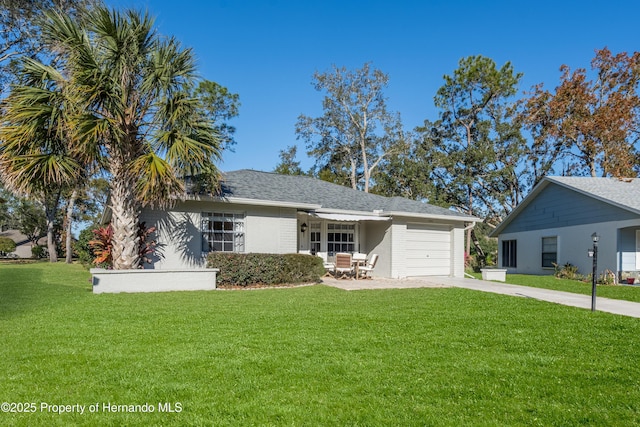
<point x="255" y="202"/>
<point x="452" y="217"/>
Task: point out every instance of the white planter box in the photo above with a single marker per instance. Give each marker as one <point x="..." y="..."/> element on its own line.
<point x="495" y="274"/>
<point x="116" y="281"/>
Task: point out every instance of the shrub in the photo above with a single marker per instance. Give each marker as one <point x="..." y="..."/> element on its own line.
<point x="37" y="251"/>
<point x="6" y="245"/>
<point x="82" y="247"/>
<point x="265" y="269"/>
<point x="567" y="271"/>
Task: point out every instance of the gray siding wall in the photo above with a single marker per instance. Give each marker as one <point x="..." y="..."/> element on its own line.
<point x="573" y="244"/>
<point x="557" y="207"/>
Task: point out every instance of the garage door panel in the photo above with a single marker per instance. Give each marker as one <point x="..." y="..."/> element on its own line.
<point x="417" y="243"/>
<point x="428" y="271"/>
<point x="428" y="250"/>
<point x="428" y="254"/>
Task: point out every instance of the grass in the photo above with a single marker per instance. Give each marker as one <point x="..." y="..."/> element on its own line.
<point x="310" y="356"/>
<point x="622" y="292"/>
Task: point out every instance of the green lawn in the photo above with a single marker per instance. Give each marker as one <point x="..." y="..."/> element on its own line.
<point x="623" y="292"/>
<point x="309" y="356"/>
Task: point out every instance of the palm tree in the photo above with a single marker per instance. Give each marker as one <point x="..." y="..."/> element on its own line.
<point x="36" y="158"/>
<point x="132" y="113"/>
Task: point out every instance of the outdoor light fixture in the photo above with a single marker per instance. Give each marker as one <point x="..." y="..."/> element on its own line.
<point x="303" y="227"/>
<point x="594" y="253"/>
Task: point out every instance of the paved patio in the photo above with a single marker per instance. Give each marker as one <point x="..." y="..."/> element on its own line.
<point x="625" y="308"/>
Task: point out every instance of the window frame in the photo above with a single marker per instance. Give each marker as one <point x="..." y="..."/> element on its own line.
<point x="545" y="254"/>
<point x="346" y="234"/>
<point x="510" y="253"/>
<point x="228" y="236"/>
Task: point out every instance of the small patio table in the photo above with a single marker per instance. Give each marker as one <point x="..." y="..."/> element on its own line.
<point x="357" y="261"/>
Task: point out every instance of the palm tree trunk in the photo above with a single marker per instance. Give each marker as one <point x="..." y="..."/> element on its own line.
<point x="72" y="201"/>
<point x="51" y="208"/>
<point x="124" y="220"/>
<point x="51" y="244"/>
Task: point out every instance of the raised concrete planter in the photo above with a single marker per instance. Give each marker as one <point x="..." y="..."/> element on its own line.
<point x="116" y="281"/>
<point x="495" y="274"/>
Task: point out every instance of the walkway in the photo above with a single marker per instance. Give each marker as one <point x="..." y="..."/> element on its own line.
<point x="625" y="308"/>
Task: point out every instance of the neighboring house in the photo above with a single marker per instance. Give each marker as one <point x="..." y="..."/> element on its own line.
<point x="270" y="213"/>
<point x="23" y="244"/>
<point x="554" y="224"/>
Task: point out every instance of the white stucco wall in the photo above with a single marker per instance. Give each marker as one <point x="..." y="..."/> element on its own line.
<point x="178" y="238"/>
<point x="270" y="230"/>
<point x="267" y="229"/>
<point x="457" y="251"/>
<point x="398" y="249"/>
<point x="376" y="239"/>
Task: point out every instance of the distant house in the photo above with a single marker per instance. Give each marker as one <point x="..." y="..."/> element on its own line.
<point x="23" y="244"/>
<point x="271" y="213"/>
<point x="555" y="222"/>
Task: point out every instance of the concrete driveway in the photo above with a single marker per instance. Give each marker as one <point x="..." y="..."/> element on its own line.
<point x="624" y="308"/>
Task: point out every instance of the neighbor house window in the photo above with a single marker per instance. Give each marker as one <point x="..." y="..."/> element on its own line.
<point x="340" y="238"/>
<point x="509" y="253"/>
<point x="222" y="232"/>
<point x="549" y="251"/>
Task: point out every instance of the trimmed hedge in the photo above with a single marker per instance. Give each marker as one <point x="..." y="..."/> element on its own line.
<point x="265" y="269"/>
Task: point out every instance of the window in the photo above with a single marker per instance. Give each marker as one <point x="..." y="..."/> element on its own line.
<point x="222" y="232"/>
<point x="509" y="253"/>
<point x="549" y="251"/>
<point x="316" y="228"/>
<point x="340" y="238"/>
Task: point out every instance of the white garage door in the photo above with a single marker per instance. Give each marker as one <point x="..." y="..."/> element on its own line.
<point x="428" y="250"/>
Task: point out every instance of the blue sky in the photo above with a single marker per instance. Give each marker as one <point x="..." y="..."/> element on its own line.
<point x="267" y="51"/>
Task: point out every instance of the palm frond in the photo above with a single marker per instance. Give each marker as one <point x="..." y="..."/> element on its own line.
<point x="157" y="184"/>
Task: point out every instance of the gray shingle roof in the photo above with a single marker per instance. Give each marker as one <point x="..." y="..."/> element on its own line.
<point x="257" y="185"/>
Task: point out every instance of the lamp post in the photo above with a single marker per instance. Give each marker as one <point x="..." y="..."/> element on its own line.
<point x="594" y="238"/>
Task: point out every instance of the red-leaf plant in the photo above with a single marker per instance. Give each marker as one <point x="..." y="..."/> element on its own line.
<point x="102" y="245"/>
<point x="146" y="247"/>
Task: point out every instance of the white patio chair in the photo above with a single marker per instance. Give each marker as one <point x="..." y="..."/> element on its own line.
<point x="365" y="271"/>
<point x="329" y="267"/>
